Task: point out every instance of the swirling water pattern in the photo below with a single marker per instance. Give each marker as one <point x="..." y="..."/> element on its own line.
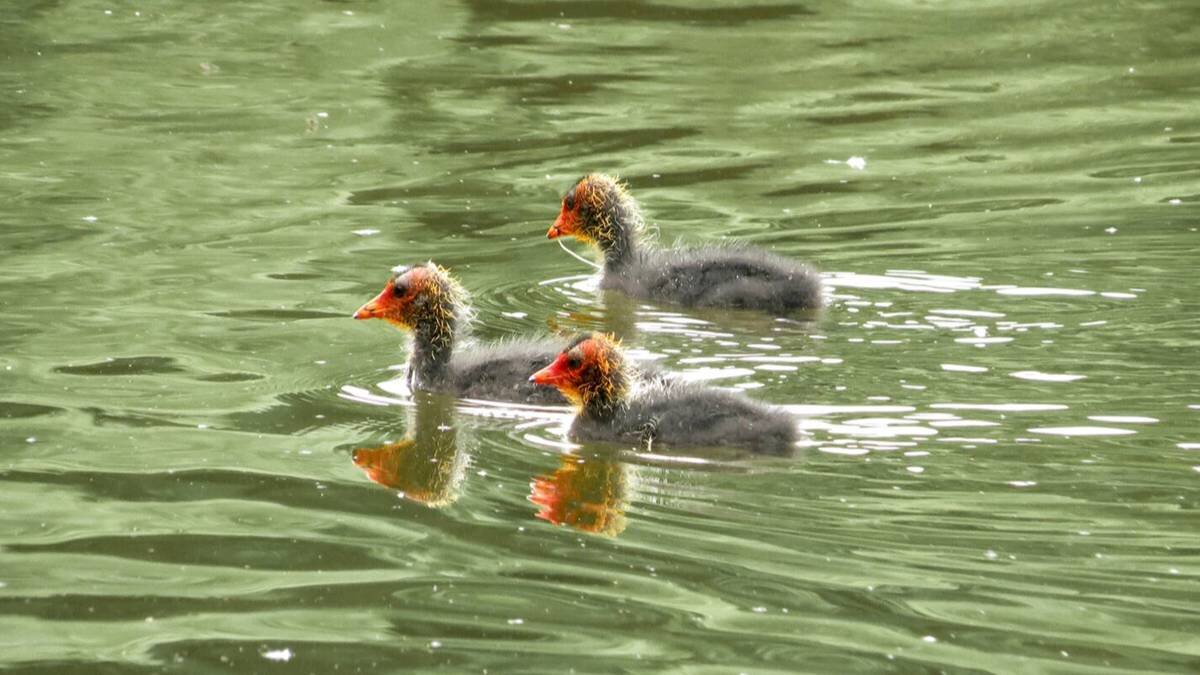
<point x="207" y="466"/>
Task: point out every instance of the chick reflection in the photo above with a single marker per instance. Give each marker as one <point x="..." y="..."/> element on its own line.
<point x="589" y="494"/>
<point x="426" y="466"/>
<point x="616" y="314"/>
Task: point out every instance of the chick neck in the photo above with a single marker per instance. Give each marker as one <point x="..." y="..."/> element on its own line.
<point x="436" y="320"/>
<point x="614" y="223"/>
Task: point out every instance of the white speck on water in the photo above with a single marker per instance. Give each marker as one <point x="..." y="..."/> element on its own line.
<point x="1174" y="202"/>
<point x="563" y="26"/>
<point x="1181" y="446"/>
<point x="957" y="368"/>
<point x="1022" y="483"/>
<point x="1138" y="179"/>
<point x="1064" y="653"/>
<point x="281" y="655"/>
<point x="516" y="622"/>
<point x="89" y="219"/>
<point x="1039" y="291"/>
<point x="990" y="554"/>
<point x="857" y="163"/>
<point x="366" y="232"/>
<point x="915" y="469"/>
<point x="983" y="341"/>
<point x="435" y="644"/>
<point x="320" y="362"/>
<point x="31" y="439"/>
<point x="1110" y="230"/>
<point x="514" y="315"/>
<point x="1173" y="570"/>
<point x="929" y="638"/>
<point x="108" y="12"/>
<point x="1000" y="407"/>
<point x="1082" y="431"/>
<point x="1046" y="377"/>
<point x="843" y="451"/>
<point x="348" y="12"/>
<point x="759" y="610"/>
<point x="1123" y="419"/>
<point x="202" y="425"/>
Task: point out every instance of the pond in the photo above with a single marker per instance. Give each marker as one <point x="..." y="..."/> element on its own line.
<point x="208" y="466"/>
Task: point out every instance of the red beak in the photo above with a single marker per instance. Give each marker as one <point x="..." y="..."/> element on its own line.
<point x="560" y="227"/>
<point x="553" y="374"/>
<point x="377" y="307"/>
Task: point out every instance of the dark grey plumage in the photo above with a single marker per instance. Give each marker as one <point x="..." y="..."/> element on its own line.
<point x="500" y="372"/>
<point x="680" y="415"/>
<point x="729" y="276"/>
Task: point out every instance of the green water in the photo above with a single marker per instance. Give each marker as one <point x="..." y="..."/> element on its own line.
<point x="1001" y="471"/>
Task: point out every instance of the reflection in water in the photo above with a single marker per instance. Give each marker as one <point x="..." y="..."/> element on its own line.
<point x="605" y="312"/>
<point x="427" y="466"/>
<point x="588" y="494"/>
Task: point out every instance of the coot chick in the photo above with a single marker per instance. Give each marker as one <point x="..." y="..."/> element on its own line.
<point x="592" y="373"/>
<point x="598" y="210"/>
<point x="433" y="307"/>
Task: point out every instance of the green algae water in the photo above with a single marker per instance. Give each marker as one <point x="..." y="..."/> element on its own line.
<point x="207" y="466"/>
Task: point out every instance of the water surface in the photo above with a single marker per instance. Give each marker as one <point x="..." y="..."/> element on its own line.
<point x="207" y="466"/>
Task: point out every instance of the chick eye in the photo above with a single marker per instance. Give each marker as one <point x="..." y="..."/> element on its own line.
<point x="569" y="201"/>
<point x="399" y="289"/>
<point x="573" y="361"/>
